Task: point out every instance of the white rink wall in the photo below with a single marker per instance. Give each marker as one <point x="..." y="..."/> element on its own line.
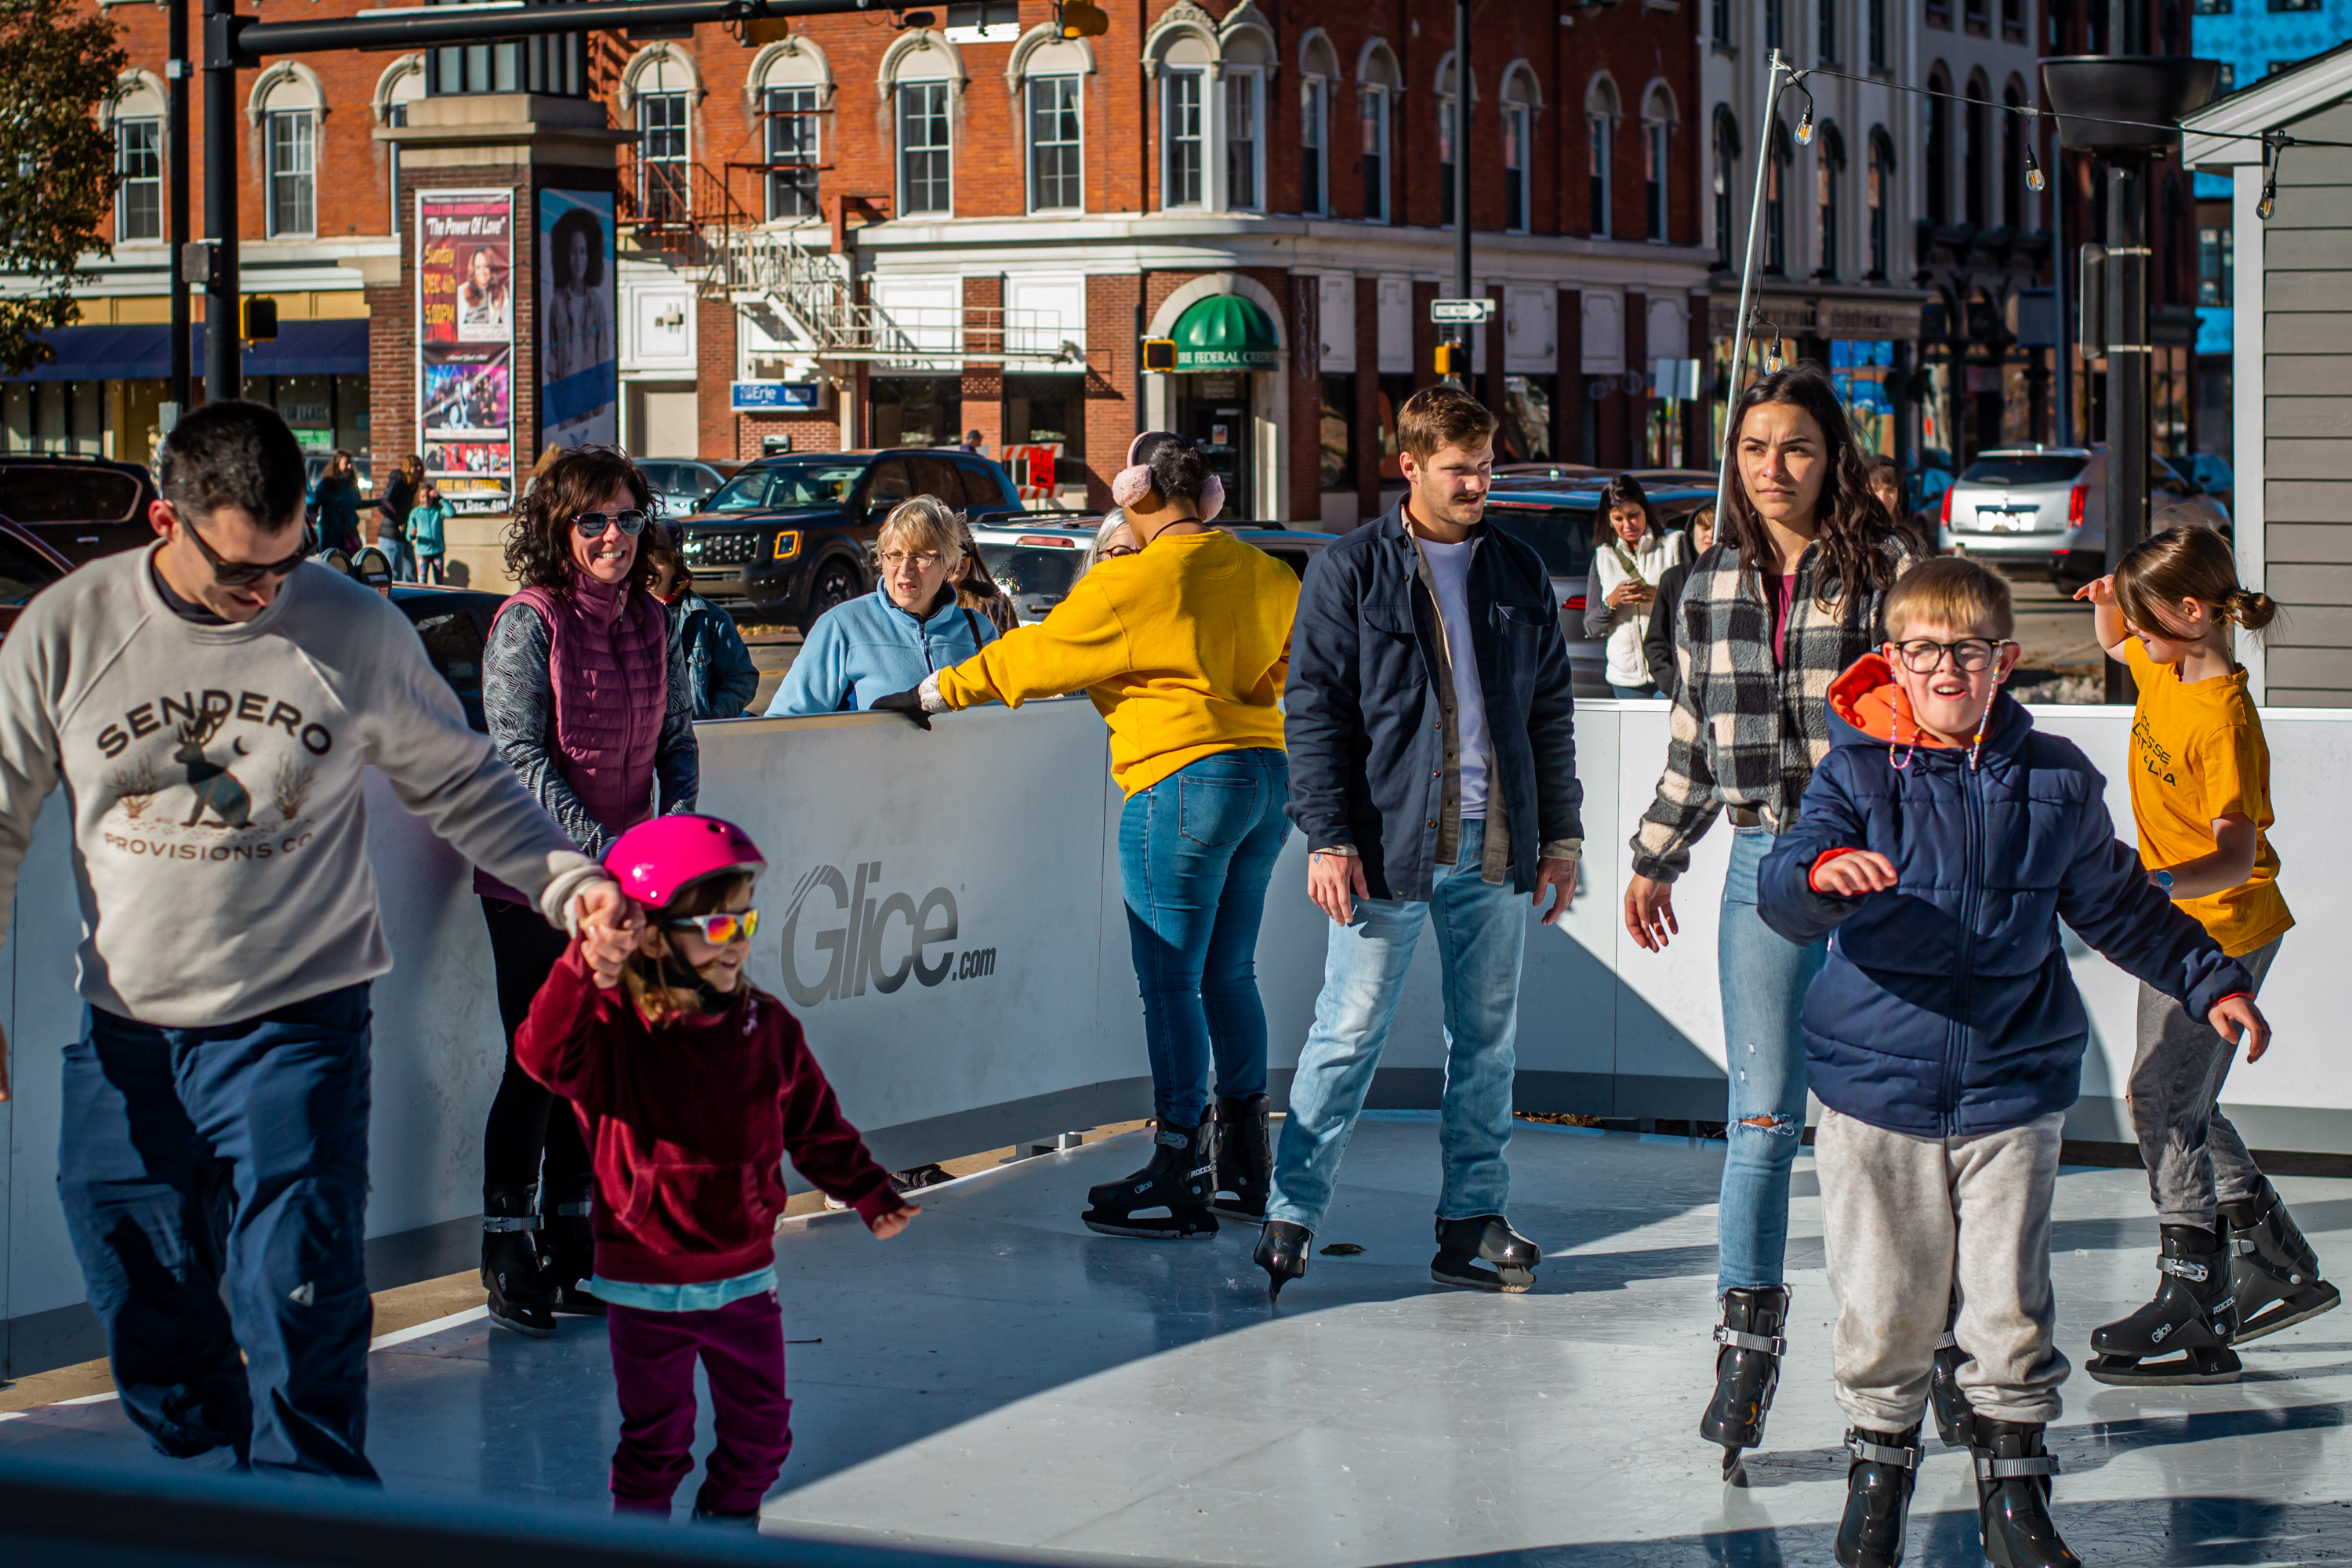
<point x="994" y="840"/>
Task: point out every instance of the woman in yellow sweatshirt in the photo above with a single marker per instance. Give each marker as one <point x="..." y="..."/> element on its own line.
<point x="1183" y="647"/>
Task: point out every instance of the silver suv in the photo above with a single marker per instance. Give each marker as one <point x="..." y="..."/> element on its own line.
<point x="2046" y="508"/>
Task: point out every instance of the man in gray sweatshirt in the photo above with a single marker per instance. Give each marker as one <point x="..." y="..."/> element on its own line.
<point x="209" y="705"/>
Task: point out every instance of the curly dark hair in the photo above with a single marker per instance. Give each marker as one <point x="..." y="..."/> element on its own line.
<point x="1852" y="529"/>
<point x="539" y="539"/>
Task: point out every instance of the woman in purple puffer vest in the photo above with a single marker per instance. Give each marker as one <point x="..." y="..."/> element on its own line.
<point x="589" y="701"/>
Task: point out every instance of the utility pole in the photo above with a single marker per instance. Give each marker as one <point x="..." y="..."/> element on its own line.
<point x="2129" y="357"/>
<point x="223" y="364"/>
<point x="1462" y="171"/>
<point x="176" y="73"/>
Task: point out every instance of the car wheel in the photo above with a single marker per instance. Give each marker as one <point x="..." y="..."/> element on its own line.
<point x="836" y="583"/>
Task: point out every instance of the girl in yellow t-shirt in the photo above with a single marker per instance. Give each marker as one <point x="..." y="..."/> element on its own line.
<point x="2200" y="798"/>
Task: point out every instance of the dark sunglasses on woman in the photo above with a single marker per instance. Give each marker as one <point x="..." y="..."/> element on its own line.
<point x="590" y="524"/>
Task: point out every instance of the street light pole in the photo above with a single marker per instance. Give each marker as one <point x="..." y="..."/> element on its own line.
<point x="175" y="71"/>
<point x="223" y="368"/>
<point x="2128" y="367"/>
<point x="1774" y="70"/>
<point x="1462" y="171"/>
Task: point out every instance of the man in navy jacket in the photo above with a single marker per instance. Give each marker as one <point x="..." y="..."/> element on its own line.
<point x="1432" y="768"/>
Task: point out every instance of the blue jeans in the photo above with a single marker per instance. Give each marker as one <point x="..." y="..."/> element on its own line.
<point x="395" y="551"/>
<point x="1633" y="693"/>
<point x="1764" y="976"/>
<point x="1481" y="939"/>
<point x="1195" y="853"/>
<point x="236" y="1152"/>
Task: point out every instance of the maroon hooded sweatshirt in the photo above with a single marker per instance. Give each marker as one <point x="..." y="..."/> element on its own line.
<point x="689" y="1126"/>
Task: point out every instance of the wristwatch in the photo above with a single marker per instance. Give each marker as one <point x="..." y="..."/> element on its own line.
<point x="2163" y="880"/>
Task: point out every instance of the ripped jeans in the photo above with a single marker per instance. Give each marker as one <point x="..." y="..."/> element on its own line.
<point x="1764" y="976"/>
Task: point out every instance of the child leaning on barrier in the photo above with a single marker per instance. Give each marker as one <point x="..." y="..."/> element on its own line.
<point x="2200" y="794"/>
<point x="692" y="1088"/>
<point x="1942" y="841"/>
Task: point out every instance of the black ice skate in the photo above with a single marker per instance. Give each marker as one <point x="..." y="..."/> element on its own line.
<point x="2014" y="1497"/>
<point x="512" y="1269"/>
<point x="570" y="1247"/>
<point x="1282" y="1253"/>
<point x="1244" y="1157"/>
<point x="1877" y="1497"/>
<point x="1747" y="1371"/>
<point x="1944" y="1395"/>
<point x="1462" y="1244"/>
<point x="2193" y="1313"/>
<point x="2274" y="1274"/>
<point x="1178" y="1181"/>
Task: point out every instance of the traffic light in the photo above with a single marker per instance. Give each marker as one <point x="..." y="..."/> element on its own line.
<point x="1452" y="359"/>
<point x="258" y="319"/>
<point x="1159" y="354"/>
<point x="1083" y="19"/>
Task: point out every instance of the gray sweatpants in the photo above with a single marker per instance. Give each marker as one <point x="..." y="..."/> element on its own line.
<point x="2194" y="1157"/>
<point x="1901" y="1216"/>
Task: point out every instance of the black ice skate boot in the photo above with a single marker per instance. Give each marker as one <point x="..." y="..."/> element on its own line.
<point x="1179" y="1180"/>
<point x="2274" y="1274"/>
<point x="570" y="1246"/>
<point x="1877" y="1497"/>
<point x="1244" y="1157"/>
<point x="2193" y="1312"/>
<point x="1282" y="1253"/>
<point x="1461" y="1242"/>
<point x="1747" y="1371"/>
<point x="512" y="1271"/>
<point x="2014" y="1497"/>
<point x="1944" y="1395"/>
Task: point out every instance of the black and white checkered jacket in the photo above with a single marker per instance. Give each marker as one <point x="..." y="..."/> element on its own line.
<point x="1747" y="731"/>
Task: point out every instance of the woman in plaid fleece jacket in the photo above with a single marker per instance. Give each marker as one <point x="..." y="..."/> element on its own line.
<point x="1788" y="597"/>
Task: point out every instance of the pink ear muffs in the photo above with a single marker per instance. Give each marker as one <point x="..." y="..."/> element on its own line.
<point x="1133" y="482"/>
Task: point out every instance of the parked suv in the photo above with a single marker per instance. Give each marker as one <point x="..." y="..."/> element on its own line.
<point x="2045" y="509"/>
<point x="792" y="536"/>
<point x="82" y="508"/>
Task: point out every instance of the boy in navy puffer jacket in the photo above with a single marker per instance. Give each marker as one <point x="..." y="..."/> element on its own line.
<point x="1942" y="841"/>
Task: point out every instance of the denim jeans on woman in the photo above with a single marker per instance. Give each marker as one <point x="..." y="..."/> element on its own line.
<point x="1481" y="939"/>
<point x="1764" y="976"/>
<point x="1195" y="852"/>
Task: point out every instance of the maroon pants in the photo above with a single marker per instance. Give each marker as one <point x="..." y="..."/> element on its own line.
<point x="742" y="1347"/>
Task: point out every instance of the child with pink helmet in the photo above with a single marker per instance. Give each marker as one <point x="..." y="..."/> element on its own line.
<point x="692" y="1087"/>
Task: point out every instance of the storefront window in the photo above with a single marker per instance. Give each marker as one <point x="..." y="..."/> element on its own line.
<point x="1862" y="373"/>
<point x="1526" y="419"/>
<point x="916" y="411"/>
<point x="1338" y="433"/>
<point x="1046" y="411"/>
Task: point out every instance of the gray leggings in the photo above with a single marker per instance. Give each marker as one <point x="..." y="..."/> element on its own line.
<point x="2194" y="1157"/>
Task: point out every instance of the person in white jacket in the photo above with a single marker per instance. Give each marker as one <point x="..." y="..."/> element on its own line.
<point x="1631" y="551"/>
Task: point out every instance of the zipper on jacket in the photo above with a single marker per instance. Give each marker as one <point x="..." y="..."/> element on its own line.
<point x="1964" y="969"/>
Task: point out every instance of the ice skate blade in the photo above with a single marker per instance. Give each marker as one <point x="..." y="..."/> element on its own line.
<point x="1735" y="1469"/>
<point x="1231" y="1208"/>
<point x="1143" y="1231"/>
<point x="515" y="1325"/>
<point x="2282" y="1316"/>
<point x="2122" y="1372"/>
<point x="1511" y="1282"/>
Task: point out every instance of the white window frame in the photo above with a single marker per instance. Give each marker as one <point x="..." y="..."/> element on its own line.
<point x="1029" y="87"/>
<point x="806" y="126"/>
<point x="124" y="180"/>
<point x="946" y="119"/>
<point x="1250" y="82"/>
<point x="1518" y="125"/>
<point x="1601" y="133"/>
<point x="306" y="121"/>
<point x="1373" y="115"/>
<point x="1658" y="169"/>
<point x="1315" y="142"/>
<point x="680" y="165"/>
<point x="1169" y="141"/>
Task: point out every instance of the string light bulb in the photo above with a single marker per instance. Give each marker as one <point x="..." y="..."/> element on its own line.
<point x="2273" y="141"/>
<point x="1805" y="120"/>
<point x="2269" y="204"/>
<point x="2034" y="178"/>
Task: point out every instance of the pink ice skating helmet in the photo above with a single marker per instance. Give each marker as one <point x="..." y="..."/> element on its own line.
<point x="654" y="859"/>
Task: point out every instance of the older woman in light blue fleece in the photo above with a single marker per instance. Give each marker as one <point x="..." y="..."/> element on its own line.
<point x="894" y="637"/>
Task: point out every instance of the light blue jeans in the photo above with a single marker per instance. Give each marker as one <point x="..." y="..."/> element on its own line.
<point x="1481" y="937"/>
<point x="1195" y="853"/>
<point x="1764" y="976"/>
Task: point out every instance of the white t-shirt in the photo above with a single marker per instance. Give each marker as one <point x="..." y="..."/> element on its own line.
<point x="1449" y="568"/>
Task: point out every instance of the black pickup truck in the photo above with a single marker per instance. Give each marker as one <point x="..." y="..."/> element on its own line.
<point x="790" y="537"/>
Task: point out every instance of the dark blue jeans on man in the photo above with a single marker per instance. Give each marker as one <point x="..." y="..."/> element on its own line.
<point x="1195" y="853"/>
<point x="235" y="1154"/>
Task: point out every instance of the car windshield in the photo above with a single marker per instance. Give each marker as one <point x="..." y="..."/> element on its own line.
<point x="33" y="492"/>
<point x="1030" y="569"/>
<point x="22" y="573"/>
<point x="2026" y="468"/>
<point x="1564" y="537"/>
<point x="825" y="481"/>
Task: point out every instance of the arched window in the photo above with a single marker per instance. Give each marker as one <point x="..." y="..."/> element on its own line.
<point x="402" y="84"/>
<point x="1318" y="75"/>
<point x="921" y="72"/>
<point x="1937" y="151"/>
<point x="289" y="132"/>
<point x="1377" y="86"/>
<point x="1976" y="150"/>
<point x="2014" y="129"/>
<point x="1776" y="204"/>
<point x="1601" y="111"/>
<point x="1882" y="200"/>
<point x="1657" y="160"/>
<point x="1249" y="61"/>
<point x="1184" y="60"/>
<point x="1053" y="78"/>
<point x="1829" y="183"/>
<point x="795" y="88"/>
<point x="661" y="90"/>
<point x="1522" y="98"/>
<point x="1446" y="123"/>
<point x="1725" y="179"/>
<point x="138" y="119"/>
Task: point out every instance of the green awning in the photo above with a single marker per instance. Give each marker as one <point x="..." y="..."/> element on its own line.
<point x="1225" y="331"/>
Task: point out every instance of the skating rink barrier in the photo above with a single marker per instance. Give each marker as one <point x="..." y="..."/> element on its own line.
<point x="943" y="913"/>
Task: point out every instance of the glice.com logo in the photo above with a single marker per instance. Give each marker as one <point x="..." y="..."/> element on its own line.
<point x="865" y="939"/>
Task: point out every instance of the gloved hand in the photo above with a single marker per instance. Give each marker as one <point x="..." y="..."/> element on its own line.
<point x="908" y="702"/>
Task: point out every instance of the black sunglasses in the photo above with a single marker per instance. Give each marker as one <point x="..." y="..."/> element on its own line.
<point x="242" y="574"/>
<point x="590" y="524"/>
